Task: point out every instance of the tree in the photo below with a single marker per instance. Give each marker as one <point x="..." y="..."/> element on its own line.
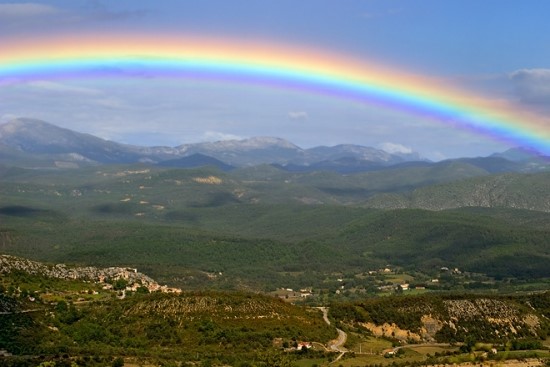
<point x="469" y="344"/>
<point x="118" y="362"/>
<point x="142" y="290"/>
<point x="120" y="284"/>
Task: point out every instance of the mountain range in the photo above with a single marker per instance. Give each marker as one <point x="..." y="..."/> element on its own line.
<point x="256" y="223"/>
<point x="34" y="143"/>
<point x="29" y="138"/>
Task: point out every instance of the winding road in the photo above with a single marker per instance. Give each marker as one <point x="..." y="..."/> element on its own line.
<point x="336" y="345"/>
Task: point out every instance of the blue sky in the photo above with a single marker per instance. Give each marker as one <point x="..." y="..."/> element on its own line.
<point x="498" y="48"/>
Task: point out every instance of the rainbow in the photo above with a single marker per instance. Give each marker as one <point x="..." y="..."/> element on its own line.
<point x="139" y="56"/>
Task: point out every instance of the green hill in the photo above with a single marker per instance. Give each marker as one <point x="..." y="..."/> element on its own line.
<point x="44" y="315"/>
<point x="450" y="318"/>
<point x="479" y="243"/>
<point x="224" y="327"/>
<point x="181" y="225"/>
<point x="50" y="317"/>
<point x="511" y="190"/>
<point x="265" y="247"/>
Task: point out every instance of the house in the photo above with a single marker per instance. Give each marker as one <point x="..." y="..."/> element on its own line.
<point x="302" y="345"/>
<point x="133" y="287"/>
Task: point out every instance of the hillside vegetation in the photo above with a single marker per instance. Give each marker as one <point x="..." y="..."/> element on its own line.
<point x="264" y="247"/>
<point x="450" y="318"/>
<point x="189" y="327"/>
<point x="44" y="312"/>
<point x="42" y="319"/>
<point x="496" y="191"/>
<point x="262" y="228"/>
<point x="154" y="191"/>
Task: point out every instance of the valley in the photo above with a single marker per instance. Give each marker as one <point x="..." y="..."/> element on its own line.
<point x="182" y="225"/>
<point x="144" y="261"/>
<point x="48" y="314"/>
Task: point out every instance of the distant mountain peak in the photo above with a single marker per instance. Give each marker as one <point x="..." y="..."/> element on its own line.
<point x="19" y="125"/>
<point x="519" y="154"/>
<point x="35" y="135"/>
<point x="260" y="142"/>
<point x="196" y="160"/>
<point x="45" y="141"/>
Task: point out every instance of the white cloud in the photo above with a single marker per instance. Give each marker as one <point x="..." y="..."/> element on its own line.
<point x="394" y="148"/>
<point x="532" y="85"/>
<point x="217" y="136"/>
<point x="298" y="115"/>
<point x="62" y="88"/>
<point x="23" y="10"/>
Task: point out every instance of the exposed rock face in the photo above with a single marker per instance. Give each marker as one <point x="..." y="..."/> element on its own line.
<point x="447" y="319"/>
<point x="430" y="327"/>
<point x="392" y="331"/>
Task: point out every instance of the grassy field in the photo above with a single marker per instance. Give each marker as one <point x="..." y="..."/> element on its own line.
<point x="367" y="345"/>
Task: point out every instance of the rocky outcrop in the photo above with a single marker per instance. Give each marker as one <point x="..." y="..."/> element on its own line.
<point x="392" y="331"/>
<point x="453" y="319"/>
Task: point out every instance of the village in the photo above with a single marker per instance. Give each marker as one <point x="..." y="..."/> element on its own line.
<point x="389" y="279"/>
<point x="112" y="279"/>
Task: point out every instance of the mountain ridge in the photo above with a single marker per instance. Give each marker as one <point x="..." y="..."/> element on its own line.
<point x="35" y="137"/>
<point x="33" y="143"/>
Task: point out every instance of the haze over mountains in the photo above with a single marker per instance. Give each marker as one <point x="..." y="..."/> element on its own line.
<point x="34" y="137"/>
<point x="275" y="171"/>
<point x="35" y="143"/>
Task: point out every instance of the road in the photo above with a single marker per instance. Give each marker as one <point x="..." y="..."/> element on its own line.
<point x="336" y="345"/>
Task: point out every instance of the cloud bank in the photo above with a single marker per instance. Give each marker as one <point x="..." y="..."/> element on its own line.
<point x="532" y="85"/>
<point x="394" y="148"/>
